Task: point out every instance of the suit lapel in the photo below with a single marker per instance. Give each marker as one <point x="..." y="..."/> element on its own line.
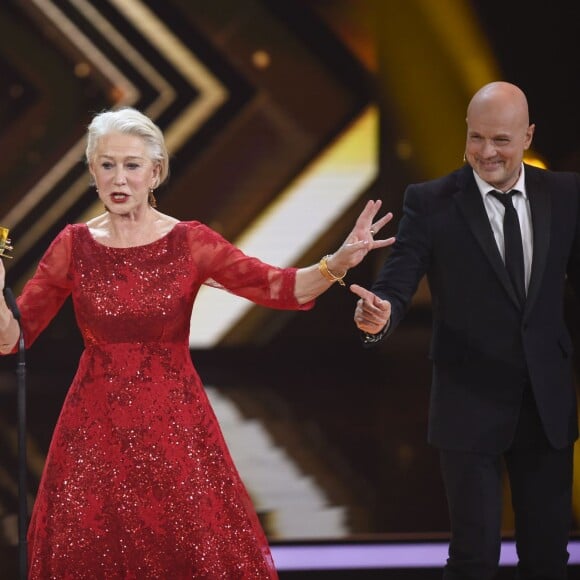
<point x="470" y="203"/>
<point x="540" y="208"/>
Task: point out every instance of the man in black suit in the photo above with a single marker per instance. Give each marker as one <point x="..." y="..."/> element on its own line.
<point x="502" y="379"/>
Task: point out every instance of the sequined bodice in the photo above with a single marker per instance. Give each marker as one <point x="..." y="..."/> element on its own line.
<point x="142" y="294"/>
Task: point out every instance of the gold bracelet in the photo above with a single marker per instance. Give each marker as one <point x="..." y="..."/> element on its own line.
<point x="323" y="267"/>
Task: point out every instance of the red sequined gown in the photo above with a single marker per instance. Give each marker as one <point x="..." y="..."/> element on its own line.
<point x="138" y="483"/>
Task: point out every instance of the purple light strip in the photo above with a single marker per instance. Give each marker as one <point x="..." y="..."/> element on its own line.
<point x="377" y="556"/>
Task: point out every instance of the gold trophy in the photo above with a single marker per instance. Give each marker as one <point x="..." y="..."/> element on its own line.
<point x="5" y="242"/>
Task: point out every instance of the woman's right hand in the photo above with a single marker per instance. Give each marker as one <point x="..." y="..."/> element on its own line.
<point x="2" y="275"/>
<point x="9" y="327"/>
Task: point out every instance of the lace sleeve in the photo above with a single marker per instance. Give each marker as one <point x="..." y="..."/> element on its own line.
<point x="44" y="294"/>
<point x="223" y="265"/>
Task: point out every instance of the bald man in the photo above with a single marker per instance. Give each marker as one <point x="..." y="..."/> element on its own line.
<point x="502" y="389"/>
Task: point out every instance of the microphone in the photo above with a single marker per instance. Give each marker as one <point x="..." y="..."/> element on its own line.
<point x="11" y="303"/>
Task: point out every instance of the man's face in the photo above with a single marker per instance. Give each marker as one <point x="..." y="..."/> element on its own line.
<point x="496" y="140"/>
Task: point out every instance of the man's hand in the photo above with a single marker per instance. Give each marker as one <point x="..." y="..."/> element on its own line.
<point x="372" y="313"/>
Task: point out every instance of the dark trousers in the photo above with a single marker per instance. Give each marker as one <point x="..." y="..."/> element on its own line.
<point x="541" y="488"/>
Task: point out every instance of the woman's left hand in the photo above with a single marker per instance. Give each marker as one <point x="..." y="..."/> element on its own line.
<point x="361" y="239"/>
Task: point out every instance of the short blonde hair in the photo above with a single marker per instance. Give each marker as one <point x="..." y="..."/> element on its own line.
<point x="130" y="122"/>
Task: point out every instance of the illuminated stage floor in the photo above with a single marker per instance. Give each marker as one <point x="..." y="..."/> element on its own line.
<point x="402" y="560"/>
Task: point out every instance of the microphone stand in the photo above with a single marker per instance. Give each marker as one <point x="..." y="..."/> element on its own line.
<point x="22" y="462"/>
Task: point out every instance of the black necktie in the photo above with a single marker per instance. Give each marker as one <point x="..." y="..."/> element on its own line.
<point x="514" y="250"/>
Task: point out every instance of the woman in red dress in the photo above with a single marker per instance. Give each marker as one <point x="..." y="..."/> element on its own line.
<point x="138" y="482"/>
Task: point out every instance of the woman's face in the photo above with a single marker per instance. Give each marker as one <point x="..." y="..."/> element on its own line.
<point x="124" y="172"/>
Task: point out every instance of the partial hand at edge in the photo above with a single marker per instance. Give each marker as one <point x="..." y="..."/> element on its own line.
<point x="372" y="313"/>
<point x="9" y="327"/>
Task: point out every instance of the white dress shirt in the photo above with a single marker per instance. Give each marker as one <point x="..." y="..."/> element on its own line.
<point x="495" y="212"/>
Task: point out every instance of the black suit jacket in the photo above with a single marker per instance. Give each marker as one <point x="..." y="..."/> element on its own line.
<point x="485" y="349"/>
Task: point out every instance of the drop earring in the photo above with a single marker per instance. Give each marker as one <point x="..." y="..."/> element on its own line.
<point x="152" y="200"/>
